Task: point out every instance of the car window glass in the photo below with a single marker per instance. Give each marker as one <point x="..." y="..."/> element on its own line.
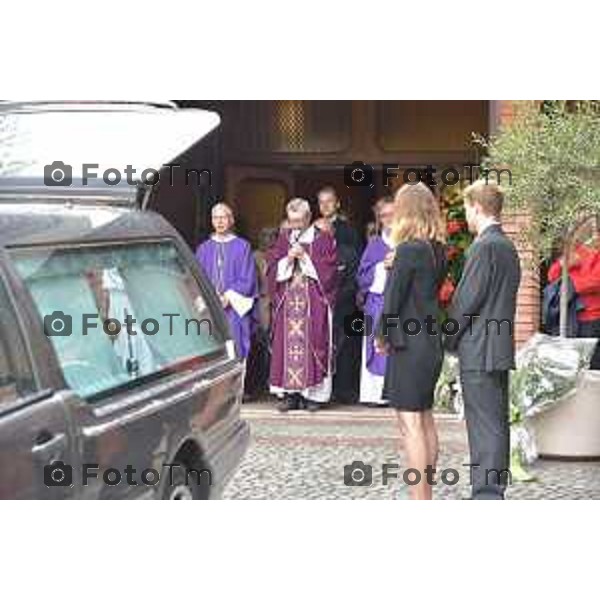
<point x="118" y="313"/>
<point x="16" y="379"/>
<point x="8" y="384"/>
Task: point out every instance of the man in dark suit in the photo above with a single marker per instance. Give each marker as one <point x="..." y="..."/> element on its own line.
<point x="349" y="249"/>
<point x="484" y="305"/>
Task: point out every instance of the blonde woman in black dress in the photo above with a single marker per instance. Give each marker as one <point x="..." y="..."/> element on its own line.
<point x="406" y="331"/>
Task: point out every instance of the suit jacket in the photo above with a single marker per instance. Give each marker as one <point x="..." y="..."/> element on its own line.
<point x="488" y="288"/>
<point x="348" y="246"/>
<point x="411" y="292"/>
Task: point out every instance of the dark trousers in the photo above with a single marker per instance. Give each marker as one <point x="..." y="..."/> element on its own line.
<point x="591" y="329"/>
<point x="257" y="364"/>
<point x="487" y="414"/>
<point x="346" y="379"/>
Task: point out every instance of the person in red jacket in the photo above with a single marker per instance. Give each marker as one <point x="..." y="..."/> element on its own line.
<point x="584" y="269"/>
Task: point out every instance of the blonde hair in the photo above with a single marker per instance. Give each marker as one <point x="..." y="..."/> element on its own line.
<point x="417" y="215"/>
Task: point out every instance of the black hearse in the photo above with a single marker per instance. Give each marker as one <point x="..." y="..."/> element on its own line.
<point x="118" y="377"/>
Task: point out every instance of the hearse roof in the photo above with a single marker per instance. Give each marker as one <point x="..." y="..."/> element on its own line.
<point x="107" y="135"/>
<point x="128" y="137"/>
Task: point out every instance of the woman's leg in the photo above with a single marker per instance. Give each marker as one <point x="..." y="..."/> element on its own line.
<point x="432" y="438"/>
<point x="412" y="432"/>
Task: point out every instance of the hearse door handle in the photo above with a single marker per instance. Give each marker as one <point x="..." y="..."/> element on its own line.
<point x="46" y="442"/>
<point x="200" y="385"/>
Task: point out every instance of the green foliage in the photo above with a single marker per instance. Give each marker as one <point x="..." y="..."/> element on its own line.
<point x="7" y="139"/>
<point x="445" y="389"/>
<point x="554" y="157"/>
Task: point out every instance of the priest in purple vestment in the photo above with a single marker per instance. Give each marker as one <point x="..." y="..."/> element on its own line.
<point x="371" y="277"/>
<point x="302" y="283"/>
<point x="229" y="263"/>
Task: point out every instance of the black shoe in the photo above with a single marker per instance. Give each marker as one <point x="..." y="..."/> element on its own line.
<point x="312" y="406"/>
<point x="283" y="406"/>
<point x="299" y="400"/>
<point x="288" y="403"/>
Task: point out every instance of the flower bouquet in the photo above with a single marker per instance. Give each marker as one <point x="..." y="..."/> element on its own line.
<point x="458" y="240"/>
<point x="548" y="368"/>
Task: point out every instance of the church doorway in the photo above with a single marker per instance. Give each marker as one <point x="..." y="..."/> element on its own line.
<point x="259" y="195"/>
<point x="271" y="151"/>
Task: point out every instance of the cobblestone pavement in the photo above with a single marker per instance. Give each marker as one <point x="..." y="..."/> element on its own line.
<point x="302" y="455"/>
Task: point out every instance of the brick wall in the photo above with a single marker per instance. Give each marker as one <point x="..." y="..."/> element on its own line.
<point x="528" y="299"/>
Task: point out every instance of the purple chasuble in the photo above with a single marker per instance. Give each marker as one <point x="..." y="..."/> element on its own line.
<point x="374" y="253"/>
<point x="301" y="310"/>
<point x="230" y="267"/>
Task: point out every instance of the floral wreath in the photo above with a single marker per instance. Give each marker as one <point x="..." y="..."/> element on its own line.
<point x="458" y="239"/>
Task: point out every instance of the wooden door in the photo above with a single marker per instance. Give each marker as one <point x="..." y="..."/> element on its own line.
<point x="258" y="196"/>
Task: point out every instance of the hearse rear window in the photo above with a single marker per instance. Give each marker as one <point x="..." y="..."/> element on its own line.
<point x="117" y="314"/>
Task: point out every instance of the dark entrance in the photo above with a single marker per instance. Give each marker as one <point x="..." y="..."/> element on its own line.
<point x="266" y="152"/>
<point x="259" y="195"/>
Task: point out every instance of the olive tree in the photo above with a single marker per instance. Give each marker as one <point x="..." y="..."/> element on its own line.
<point x="553" y="153"/>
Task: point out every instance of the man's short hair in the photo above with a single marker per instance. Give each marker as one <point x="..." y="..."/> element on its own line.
<point x="327" y="189"/>
<point x="488" y="195"/>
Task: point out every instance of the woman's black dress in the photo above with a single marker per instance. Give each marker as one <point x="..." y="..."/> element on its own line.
<point x="415" y="344"/>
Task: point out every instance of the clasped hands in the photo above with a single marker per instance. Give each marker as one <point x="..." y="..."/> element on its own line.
<point x="388" y="261"/>
<point x="296" y="251"/>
